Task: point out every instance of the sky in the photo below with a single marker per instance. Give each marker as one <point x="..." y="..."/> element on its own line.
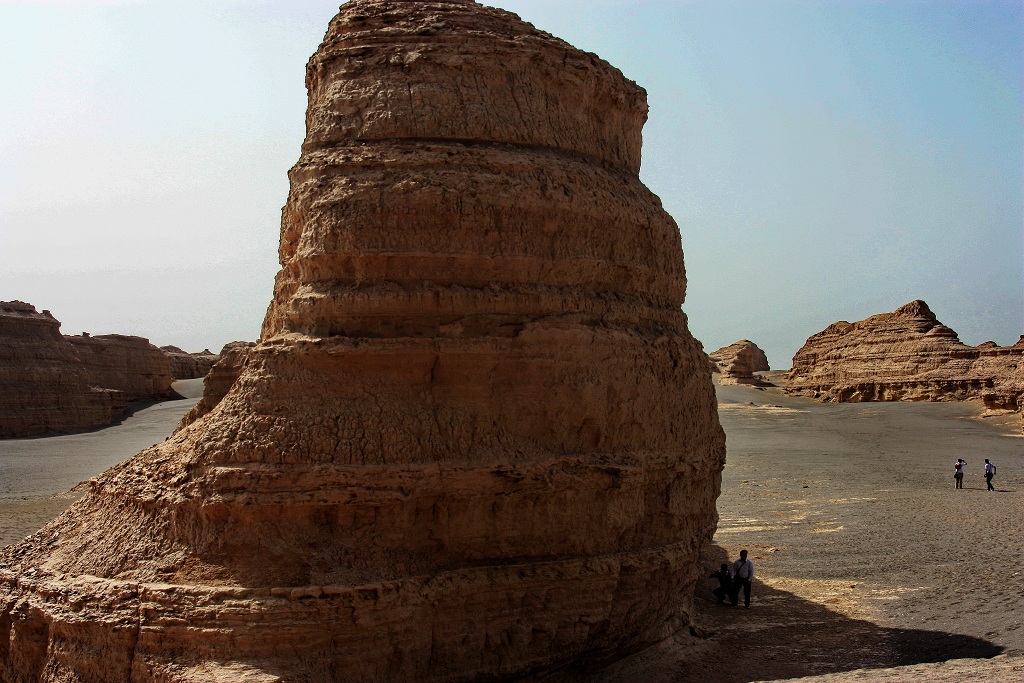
<point x="824" y="160"/>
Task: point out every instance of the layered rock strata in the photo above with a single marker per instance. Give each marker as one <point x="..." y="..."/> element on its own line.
<point x="738" y="362"/>
<point x="43" y="387"/>
<point x="185" y="365"/>
<point x="219" y="380"/>
<point x="476" y="439"/>
<point x="124" y="363"/>
<point x="906" y="355"/>
<point x="53" y="384"/>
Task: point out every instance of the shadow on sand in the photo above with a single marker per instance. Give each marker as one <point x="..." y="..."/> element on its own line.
<point x="780" y="636"/>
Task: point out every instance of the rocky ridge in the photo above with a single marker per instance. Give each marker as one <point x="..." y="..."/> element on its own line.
<point x="55" y="384"/>
<point x="43" y="386"/>
<point x="476" y="439"/>
<point x="738" y="362"/>
<point x="218" y="381"/>
<point x="906" y="355"/>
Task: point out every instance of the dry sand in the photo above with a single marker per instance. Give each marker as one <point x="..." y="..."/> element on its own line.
<point x="866" y="557"/>
<point x="37" y="475"/>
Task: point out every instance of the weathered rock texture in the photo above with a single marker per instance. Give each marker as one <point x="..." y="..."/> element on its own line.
<point x="44" y="388"/>
<point x="738" y="362"/>
<point x="53" y="384"/>
<point x="130" y="365"/>
<point x="186" y="365"/>
<point x="906" y="355"/>
<point x="476" y="439"/>
<point x="219" y="380"/>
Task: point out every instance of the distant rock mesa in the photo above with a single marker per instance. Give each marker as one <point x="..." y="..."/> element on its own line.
<point x="53" y="384"/>
<point x="906" y="355"/>
<point x="476" y="439"/>
<point x="185" y="365"/>
<point x="738" y="362"/>
<point x="130" y="365"/>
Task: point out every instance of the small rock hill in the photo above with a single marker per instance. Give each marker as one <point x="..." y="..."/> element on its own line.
<point x="738" y="362"/>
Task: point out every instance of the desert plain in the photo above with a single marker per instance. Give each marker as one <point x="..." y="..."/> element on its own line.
<point x="41" y="477"/>
<point x="866" y="556"/>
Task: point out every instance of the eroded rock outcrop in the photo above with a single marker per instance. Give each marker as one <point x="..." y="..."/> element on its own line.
<point x="43" y="387"/>
<point x="124" y="363"/>
<point x="185" y="365"/>
<point x="476" y="439"/>
<point x="54" y="384"/>
<point x="906" y="355"/>
<point x="738" y="362"/>
<point x="219" y="380"/>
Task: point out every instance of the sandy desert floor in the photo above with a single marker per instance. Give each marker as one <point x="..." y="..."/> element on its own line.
<point x="866" y="557"/>
<point x="37" y="475"/>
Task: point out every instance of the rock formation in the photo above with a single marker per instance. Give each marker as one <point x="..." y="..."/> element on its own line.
<point x="738" y="362"/>
<point x="476" y="439"/>
<point x="130" y="365"/>
<point x="54" y="384"/>
<point x="43" y="387"/>
<point x="906" y="355"/>
<point x="219" y="380"/>
<point x="186" y="365"/>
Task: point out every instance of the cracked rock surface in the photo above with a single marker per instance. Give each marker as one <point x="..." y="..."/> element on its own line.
<point x="475" y="441"/>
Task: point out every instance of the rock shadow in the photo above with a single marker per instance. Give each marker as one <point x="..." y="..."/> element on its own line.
<point x="785" y="636"/>
<point x="781" y="636"/>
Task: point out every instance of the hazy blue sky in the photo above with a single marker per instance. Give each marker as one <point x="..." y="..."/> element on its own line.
<point x="824" y="160"/>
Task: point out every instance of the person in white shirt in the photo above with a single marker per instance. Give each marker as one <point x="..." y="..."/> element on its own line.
<point x="743" y="574"/>
<point x="990" y="471"/>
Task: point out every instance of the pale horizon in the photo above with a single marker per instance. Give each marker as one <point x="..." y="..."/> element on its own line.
<point x="824" y="161"/>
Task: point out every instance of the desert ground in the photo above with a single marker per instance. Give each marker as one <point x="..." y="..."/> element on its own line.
<point x="866" y="557"/>
<point x="38" y="476"/>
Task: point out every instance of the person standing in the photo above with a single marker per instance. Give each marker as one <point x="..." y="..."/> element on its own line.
<point x="958" y="472"/>
<point x="742" y="576"/>
<point x="990" y="471"/>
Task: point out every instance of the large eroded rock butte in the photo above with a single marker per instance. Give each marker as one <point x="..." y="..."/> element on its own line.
<point x="475" y="440"/>
<point x="906" y="355"/>
<point x="125" y="363"/>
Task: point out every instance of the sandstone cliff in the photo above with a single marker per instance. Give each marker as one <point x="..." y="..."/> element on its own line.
<point x="43" y="387"/>
<point x="130" y="365"/>
<point x="906" y="355"/>
<point x="476" y="439"/>
<point x="54" y="384"/>
<point x="186" y="365"/>
<point x="738" y="362"/>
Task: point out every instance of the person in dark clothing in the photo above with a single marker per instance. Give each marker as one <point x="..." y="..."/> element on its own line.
<point x="743" y="575"/>
<point x="990" y="471"/>
<point x="724" y="589"/>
